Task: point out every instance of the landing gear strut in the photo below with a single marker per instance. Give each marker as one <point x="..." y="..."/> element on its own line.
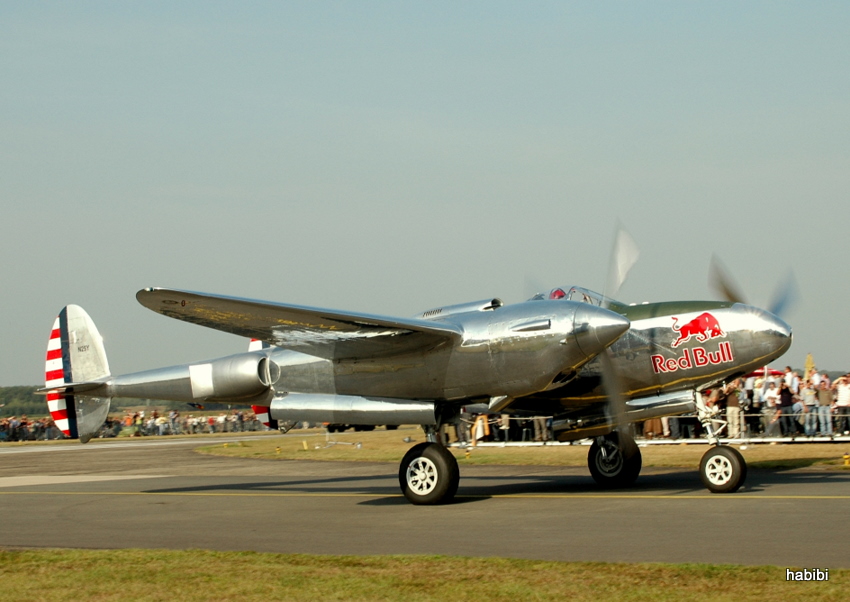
<point x="614" y="460"/>
<point x="722" y="468"/>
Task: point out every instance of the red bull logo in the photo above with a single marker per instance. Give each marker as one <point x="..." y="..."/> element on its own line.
<point x="703" y="327"/>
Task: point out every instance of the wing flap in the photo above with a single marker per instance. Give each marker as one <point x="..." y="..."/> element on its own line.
<point x="325" y="333"/>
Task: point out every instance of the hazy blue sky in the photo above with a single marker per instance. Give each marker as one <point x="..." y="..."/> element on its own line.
<point x="392" y="157"/>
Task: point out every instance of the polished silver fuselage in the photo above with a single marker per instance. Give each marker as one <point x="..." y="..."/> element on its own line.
<point x="505" y="352"/>
<point x="539" y="357"/>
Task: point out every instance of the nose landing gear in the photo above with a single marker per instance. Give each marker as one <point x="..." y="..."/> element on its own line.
<point x="614" y="460"/>
<point x="723" y="469"/>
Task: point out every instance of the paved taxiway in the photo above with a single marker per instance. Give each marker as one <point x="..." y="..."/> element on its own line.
<point x="160" y="494"/>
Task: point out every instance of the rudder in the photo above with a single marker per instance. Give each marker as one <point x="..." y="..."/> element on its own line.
<point x="75" y="355"/>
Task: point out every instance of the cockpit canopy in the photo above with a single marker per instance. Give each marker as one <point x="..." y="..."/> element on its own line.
<point x="573" y="293"/>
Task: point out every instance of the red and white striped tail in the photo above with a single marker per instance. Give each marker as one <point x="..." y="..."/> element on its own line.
<point x="75" y="356"/>
<point x="56" y="375"/>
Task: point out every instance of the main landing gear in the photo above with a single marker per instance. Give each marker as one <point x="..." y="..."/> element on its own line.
<point x="429" y="473"/>
<point x="614" y="460"/>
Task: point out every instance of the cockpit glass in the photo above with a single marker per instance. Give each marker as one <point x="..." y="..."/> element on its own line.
<point x="574" y="293"/>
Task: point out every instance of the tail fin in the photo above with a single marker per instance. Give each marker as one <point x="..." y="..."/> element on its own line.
<point x="75" y="355"/>
<point x="257" y="345"/>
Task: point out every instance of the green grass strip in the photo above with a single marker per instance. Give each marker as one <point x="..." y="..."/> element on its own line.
<point x="203" y="575"/>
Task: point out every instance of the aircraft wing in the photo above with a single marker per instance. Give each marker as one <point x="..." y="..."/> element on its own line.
<point x="329" y="334"/>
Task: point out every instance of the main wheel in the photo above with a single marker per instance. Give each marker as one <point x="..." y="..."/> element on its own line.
<point x="723" y="469"/>
<point x="428" y="474"/>
<point x="616" y="462"/>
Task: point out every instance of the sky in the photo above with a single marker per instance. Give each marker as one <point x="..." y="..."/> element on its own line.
<point x="391" y="157"/>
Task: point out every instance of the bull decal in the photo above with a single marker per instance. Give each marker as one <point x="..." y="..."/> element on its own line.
<point x="703" y="327"/>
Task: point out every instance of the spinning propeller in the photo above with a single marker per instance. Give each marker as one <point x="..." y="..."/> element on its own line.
<point x="624" y="255"/>
<point x="784" y="297"/>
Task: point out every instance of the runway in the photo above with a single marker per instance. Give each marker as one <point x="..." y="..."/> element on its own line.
<point x="161" y="494"/>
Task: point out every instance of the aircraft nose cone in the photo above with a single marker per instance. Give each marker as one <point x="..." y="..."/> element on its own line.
<point x="776" y="330"/>
<point x="595" y="328"/>
<point x="770" y="335"/>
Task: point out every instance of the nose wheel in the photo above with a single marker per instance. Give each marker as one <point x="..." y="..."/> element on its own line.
<point x="614" y="460"/>
<point x="723" y="469"/>
<point x="428" y="474"/>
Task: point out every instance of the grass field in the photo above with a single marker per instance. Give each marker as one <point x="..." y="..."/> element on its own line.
<point x="103" y="575"/>
<point x="390" y="446"/>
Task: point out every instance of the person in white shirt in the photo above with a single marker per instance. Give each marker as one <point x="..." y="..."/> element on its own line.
<point x="810" y="404"/>
<point x="841" y="386"/>
<point x="788" y="376"/>
<point x="794" y="385"/>
<point x="771" y="399"/>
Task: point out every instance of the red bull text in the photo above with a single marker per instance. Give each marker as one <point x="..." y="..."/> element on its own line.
<point x="693" y="358"/>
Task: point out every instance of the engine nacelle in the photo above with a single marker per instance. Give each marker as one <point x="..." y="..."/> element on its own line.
<point x="238" y="377"/>
<point x="233" y="377"/>
<point x="349" y="409"/>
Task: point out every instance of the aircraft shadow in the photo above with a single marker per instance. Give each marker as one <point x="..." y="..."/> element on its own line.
<point x="311" y="485"/>
<point x="759" y="479"/>
<point x="478" y="488"/>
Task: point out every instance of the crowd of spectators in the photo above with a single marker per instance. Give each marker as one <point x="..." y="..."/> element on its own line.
<point x="787" y="405"/>
<point x="154" y="423"/>
<point x="136" y="424"/>
<point x="776" y="405"/>
<point x="25" y="429"/>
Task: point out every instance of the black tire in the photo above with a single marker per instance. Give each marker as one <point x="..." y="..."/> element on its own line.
<point x="621" y="467"/>
<point x="428" y="474"/>
<point x="723" y="469"/>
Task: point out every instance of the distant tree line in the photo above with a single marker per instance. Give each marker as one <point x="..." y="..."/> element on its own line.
<point x="15" y="401"/>
<point x="21" y="400"/>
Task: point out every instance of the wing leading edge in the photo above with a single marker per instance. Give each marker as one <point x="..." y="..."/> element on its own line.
<point x="329" y="334"/>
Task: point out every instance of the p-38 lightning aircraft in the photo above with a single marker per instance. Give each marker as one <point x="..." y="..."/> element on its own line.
<point x="594" y="364"/>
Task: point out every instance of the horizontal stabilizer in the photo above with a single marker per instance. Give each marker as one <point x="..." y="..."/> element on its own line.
<point x="71" y="388"/>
